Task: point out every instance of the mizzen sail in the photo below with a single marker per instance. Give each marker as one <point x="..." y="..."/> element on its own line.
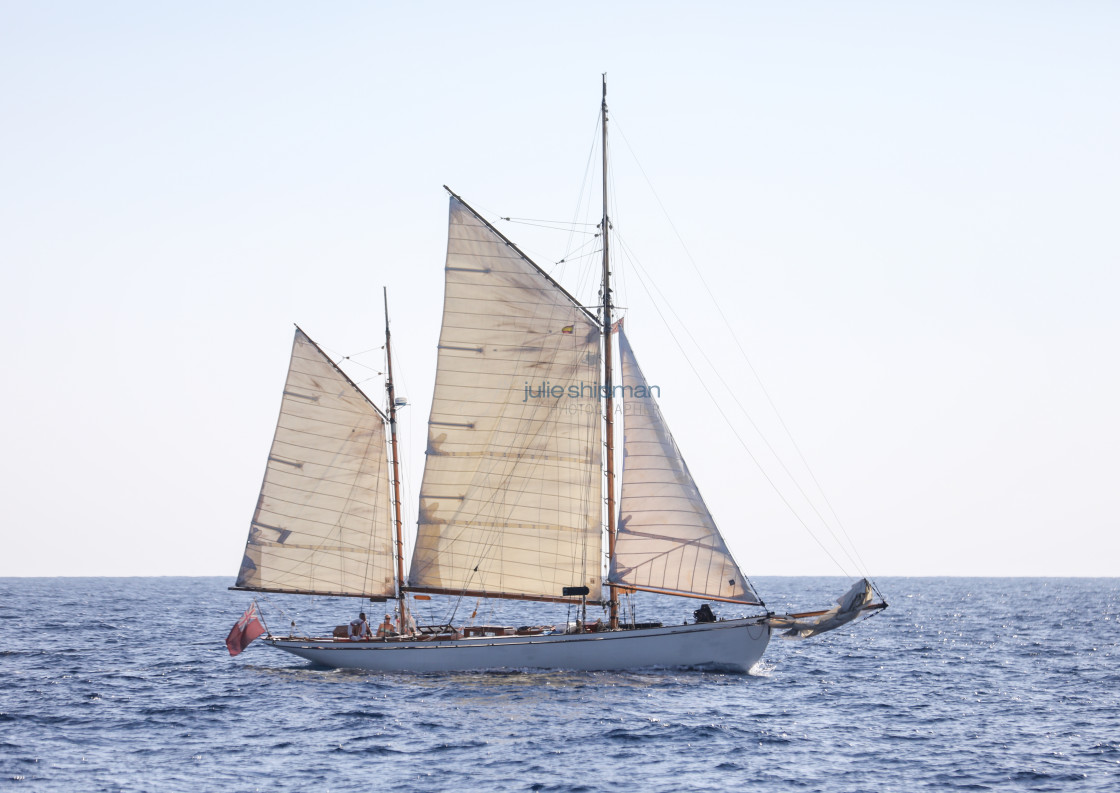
<point x="511" y="500"/>
<point x="667" y="538"/>
<point x="322" y="522"/>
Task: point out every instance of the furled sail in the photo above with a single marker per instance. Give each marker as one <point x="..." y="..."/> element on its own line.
<point x="510" y="503"/>
<point x="667" y="540"/>
<point x="856" y="602"/>
<point x="322" y="523"/>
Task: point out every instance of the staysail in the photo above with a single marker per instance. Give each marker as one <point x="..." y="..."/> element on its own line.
<point x="667" y="540"/>
<point x="322" y="523"/>
<point x="510" y="503"/>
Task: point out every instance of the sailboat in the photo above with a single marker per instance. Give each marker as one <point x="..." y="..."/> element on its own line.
<point x="519" y="463"/>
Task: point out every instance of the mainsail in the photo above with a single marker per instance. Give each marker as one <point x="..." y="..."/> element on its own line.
<point x="322" y="523"/>
<point x="511" y="500"/>
<point x="667" y="539"/>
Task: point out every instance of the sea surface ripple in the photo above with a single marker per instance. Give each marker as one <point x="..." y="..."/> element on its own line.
<point x="963" y="684"/>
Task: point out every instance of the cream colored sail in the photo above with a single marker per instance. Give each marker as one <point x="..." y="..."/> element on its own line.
<point x="667" y="540"/>
<point x="510" y="503"/>
<point x="322" y="522"/>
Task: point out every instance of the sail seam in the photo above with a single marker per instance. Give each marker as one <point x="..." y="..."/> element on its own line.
<point x="334" y="454"/>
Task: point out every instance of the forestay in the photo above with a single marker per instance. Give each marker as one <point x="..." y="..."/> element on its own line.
<point x="667" y="540"/>
<point x="322" y="523"/>
<point x="510" y="503"/>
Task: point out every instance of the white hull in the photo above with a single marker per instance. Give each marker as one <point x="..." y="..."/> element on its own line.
<point x="732" y="645"/>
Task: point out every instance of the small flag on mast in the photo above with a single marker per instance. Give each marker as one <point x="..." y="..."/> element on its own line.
<point x="568" y="329"/>
<point x="247" y="628"/>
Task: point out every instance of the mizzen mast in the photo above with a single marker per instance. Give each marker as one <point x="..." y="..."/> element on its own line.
<point x="608" y="407"/>
<point x="396" y="465"/>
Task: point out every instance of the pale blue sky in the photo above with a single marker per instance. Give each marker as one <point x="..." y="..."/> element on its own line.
<point x="908" y="211"/>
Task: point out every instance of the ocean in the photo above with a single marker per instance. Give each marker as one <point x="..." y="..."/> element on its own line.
<point x="962" y="684"/>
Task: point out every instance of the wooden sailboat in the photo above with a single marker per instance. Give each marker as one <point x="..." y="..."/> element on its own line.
<point x="511" y="502"/>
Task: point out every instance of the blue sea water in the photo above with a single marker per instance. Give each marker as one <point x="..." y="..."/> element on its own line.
<point x="963" y="684"/>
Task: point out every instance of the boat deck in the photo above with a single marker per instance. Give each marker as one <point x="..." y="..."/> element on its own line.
<point x="444" y="633"/>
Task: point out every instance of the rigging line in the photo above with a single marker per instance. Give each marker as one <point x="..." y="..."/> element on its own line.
<point x="571" y="257"/>
<point x="363" y="352"/>
<point x="742" y="350"/>
<point x="572" y="253"/>
<point x="381" y="472"/>
<point x="614" y="451"/>
<point x="595" y="481"/>
<point x="341" y="358"/>
<point x="406" y="482"/>
<point x="618" y="285"/>
<point x="584" y="184"/>
<point x="735" y="432"/>
<point x="542" y="226"/>
<point x="376" y="373"/>
<point x="824" y="522"/>
<point x="405" y="472"/>
<point x="584" y="191"/>
<point x="812" y="506"/>
<point x="850" y="547"/>
<point x="622" y="287"/>
<point x="590" y="274"/>
<point x="534" y="255"/>
<point x="587" y="275"/>
<point x="612" y="217"/>
<point x="387" y="451"/>
<point x="489" y="216"/>
<point x="540" y="220"/>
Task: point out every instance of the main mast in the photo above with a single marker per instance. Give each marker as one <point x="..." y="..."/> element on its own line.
<point x="608" y="384"/>
<point x="396" y="465"/>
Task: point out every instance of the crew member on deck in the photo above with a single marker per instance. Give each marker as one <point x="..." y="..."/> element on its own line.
<point x="386" y="628"/>
<point x="359" y="629"/>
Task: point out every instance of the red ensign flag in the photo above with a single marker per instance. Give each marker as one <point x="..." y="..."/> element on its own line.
<point x="247" y="628"/>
